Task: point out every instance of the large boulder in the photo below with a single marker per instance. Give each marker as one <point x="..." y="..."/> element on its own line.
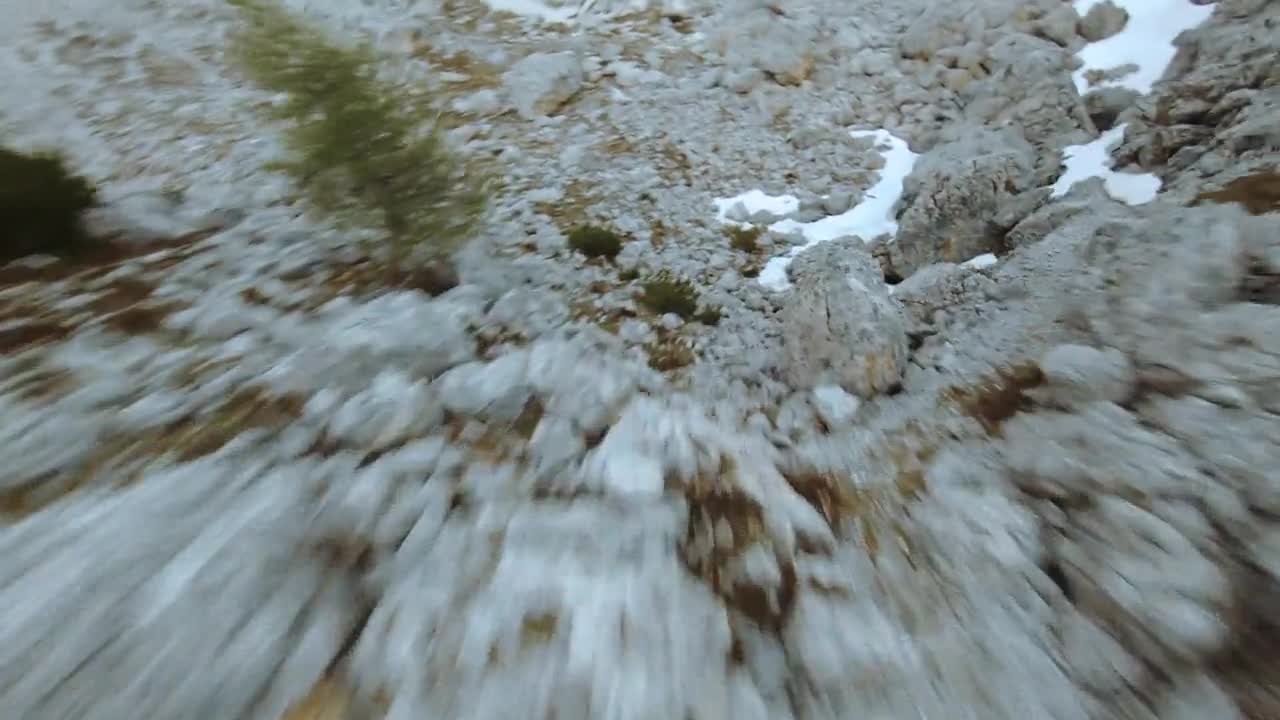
<point x="840" y="324"/>
<point x="952" y="199"/>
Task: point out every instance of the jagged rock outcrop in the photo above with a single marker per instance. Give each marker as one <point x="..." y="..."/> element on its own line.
<point x="952" y="201"/>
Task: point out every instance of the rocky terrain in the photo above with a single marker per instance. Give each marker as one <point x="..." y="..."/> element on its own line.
<point x="973" y="409"/>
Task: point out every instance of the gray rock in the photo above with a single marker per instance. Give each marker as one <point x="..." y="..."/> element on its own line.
<point x="840" y="325"/>
<point x="480" y="102"/>
<point x="1059" y="25"/>
<point x="838" y="202"/>
<point x="145" y="217"/>
<point x="938" y="27"/>
<point x="743" y="79"/>
<point x="1104" y="105"/>
<point x="953" y="194"/>
<point x="1028" y="88"/>
<point x="781" y="48"/>
<point x="808" y="215"/>
<point x="1076" y="374"/>
<point x="934" y="288"/>
<point x="1102" y="21"/>
<point x="1115" y="560"/>
<point x="540" y="83"/>
<point x="528" y="311"/>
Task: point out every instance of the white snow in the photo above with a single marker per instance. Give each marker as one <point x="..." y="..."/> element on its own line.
<point x="754" y="201"/>
<point x="835" y="404"/>
<point x="534" y="9"/>
<point x="1146" y="41"/>
<point x="1094" y="160"/>
<point x="869" y="219"/>
<point x="982" y="261"/>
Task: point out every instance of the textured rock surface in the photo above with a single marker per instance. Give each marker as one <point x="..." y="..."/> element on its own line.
<point x="251" y="473"/>
<point x="954" y="197"/>
<point x="840" y="325"/>
<point x="1102" y="21"/>
<point x="540" y="83"/>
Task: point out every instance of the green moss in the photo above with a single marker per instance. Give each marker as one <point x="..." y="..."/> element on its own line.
<point x="359" y="147"/>
<point x="40" y="206"/>
<point x="664" y="293"/>
<point x="744" y="239"/>
<point x="594" y="241"/>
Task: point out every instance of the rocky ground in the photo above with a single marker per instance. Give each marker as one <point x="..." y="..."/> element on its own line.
<point x="973" y="434"/>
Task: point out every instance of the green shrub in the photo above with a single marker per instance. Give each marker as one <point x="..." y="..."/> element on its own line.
<point x="664" y="293"/>
<point x="709" y="315"/>
<point x="594" y="241"/>
<point x="41" y="203"/>
<point x="358" y="149"/>
<point x="744" y="239"/>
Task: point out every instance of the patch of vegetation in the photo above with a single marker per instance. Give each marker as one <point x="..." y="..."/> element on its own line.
<point x="744" y="239"/>
<point x="1001" y="396"/>
<point x="629" y="274"/>
<point x="716" y="501"/>
<point x="658" y="233"/>
<point x="41" y="203"/>
<point x="359" y="147"/>
<point x="595" y="241"/>
<point x="538" y="629"/>
<point x="1258" y="193"/>
<point x="669" y="353"/>
<point x="709" y="315"/>
<point x="664" y="293"/>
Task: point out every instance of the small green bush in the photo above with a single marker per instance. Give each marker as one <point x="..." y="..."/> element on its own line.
<point x="664" y="293"/>
<point x="629" y="274"/>
<point x="359" y="149"/>
<point x="709" y="315"/>
<point x="41" y="203"/>
<point x="744" y="239"/>
<point x="594" y="241"/>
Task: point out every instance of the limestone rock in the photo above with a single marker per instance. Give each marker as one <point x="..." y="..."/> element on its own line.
<point x="1029" y="88"/>
<point x="953" y="195"/>
<point x="762" y="42"/>
<point x="1102" y="21"/>
<point x="542" y="82"/>
<point x="1078" y="373"/>
<point x="840" y="325"/>
<point x="934" y="288"/>
<point x="1059" y="25"/>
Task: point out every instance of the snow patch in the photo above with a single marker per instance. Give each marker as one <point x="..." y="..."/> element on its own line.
<point x="868" y="220"/>
<point x="834" y="404"/>
<point x="534" y="9"/>
<point x="752" y="202"/>
<point x="982" y="261"/>
<point x="1094" y="160"/>
<point x="1146" y="41"/>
